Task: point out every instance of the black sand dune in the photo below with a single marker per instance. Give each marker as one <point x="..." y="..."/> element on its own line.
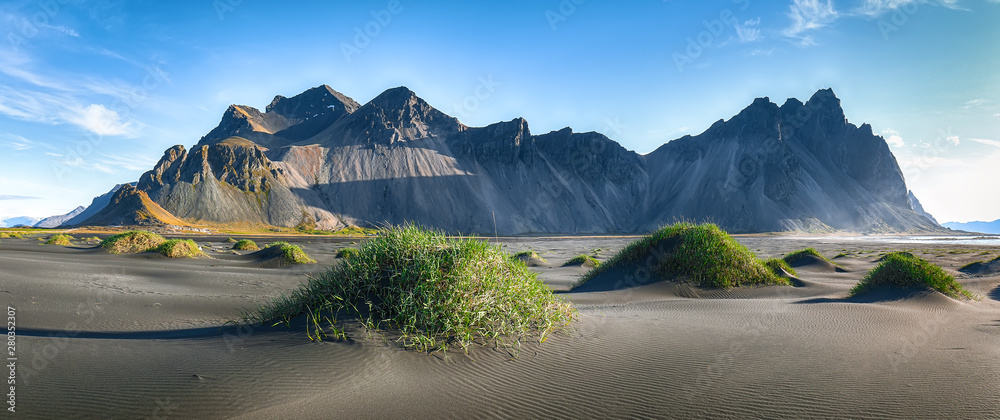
<point x="110" y="336"/>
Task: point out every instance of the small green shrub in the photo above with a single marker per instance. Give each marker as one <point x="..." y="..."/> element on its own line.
<point x="292" y="254"/>
<point x="131" y="242"/>
<point x="348" y="253"/>
<point x="906" y="271"/>
<point x="797" y="256"/>
<point x="525" y="255"/>
<point x="778" y="264"/>
<point x="245" y="245"/>
<point x="702" y="254"/>
<point x="60" y="239"/>
<point x="180" y="248"/>
<point x="583" y="260"/>
<point x="432" y="290"/>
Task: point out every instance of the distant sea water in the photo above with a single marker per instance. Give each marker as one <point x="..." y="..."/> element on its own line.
<point x="943" y="240"/>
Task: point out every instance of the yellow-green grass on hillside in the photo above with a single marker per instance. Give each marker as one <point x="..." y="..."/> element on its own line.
<point x="582" y="260"/>
<point x="291" y="254"/>
<point x="903" y="270"/>
<point x="180" y="248"/>
<point x="131" y="242"/>
<point x="60" y="239"/>
<point x="245" y="245"/>
<point x="701" y="254"/>
<point x="431" y="290"/>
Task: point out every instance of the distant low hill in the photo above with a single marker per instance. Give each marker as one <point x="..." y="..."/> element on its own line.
<point x="19" y="221"/>
<point x="981" y="227"/>
<point x="322" y="160"/>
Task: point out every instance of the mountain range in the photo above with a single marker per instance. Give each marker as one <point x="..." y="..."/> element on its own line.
<point x="980" y="227"/>
<point x="321" y="160"/>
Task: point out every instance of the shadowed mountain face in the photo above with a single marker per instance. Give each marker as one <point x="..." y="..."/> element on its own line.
<point x="320" y="159"/>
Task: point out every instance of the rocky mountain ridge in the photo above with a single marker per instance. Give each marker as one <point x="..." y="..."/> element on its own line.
<point x="321" y="160"/>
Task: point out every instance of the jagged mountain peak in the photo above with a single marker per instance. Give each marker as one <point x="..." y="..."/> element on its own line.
<point x="308" y="104"/>
<point x="398" y="114"/>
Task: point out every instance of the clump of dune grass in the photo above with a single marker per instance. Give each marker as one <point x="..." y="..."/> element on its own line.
<point x="701" y="254"/>
<point x="60" y="239"/>
<point x="797" y="256"/>
<point x="231" y="240"/>
<point x="777" y="265"/>
<point x="582" y="260"/>
<point x="348" y="253"/>
<point x="92" y="239"/>
<point x="245" y="245"/>
<point x="906" y="271"/>
<point x="430" y="291"/>
<point x="292" y="254"/>
<point x="526" y="255"/>
<point x="132" y="241"/>
<point x="180" y="248"/>
<point x="15" y="235"/>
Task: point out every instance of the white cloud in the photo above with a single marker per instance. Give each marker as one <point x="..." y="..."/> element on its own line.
<point x="128" y="161"/>
<point x="987" y="142"/>
<point x="893" y="138"/>
<point x="762" y="53"/>
<point x="809" y="15"/>
<point x="877" y="8"/>
<point x="954" y="139"/>
<point x="748" y="31"/>
<point x="99" y="120"/>
<point x="65" y="30"/>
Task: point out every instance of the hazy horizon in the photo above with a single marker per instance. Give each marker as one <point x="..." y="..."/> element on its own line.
<point x="94" y="92"/>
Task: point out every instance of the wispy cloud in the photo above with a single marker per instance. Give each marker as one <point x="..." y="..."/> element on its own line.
<point x="987" y="142"/>
<point x="893" y="138"/>
<point x="748" y="31"/>
<point x="18" y="142"/>
<point x="975" y="103"/>
<point x="877" y="8"/>
<point x="18" y="197"/>
<point x="127" y="161"/>
<point x="807" y="16"/>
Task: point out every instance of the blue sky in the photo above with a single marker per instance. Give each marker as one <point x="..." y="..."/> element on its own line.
<point x="93" y="92"/>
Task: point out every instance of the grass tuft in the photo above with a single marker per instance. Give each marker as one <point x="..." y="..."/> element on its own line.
<point x="231" y="240"/>
<point x="433" y="291"/>
<point x="246" y="245"/>
<point x="132" y="242"/>
<point x="904" y="270"/>
<point x="292" y="254"/>
<point x="348" y="253"/>
<point x="60" y="239"/>
<point x="797" y="256"/>
<point x="180" y="248"/>
<point x="582" y="260"/>
<point x="778" y="264"/>
<point x="703" y="254"/>
<point x="526" y="255"/>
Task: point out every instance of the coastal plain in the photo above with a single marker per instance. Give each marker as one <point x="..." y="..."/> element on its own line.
<point x="145" y="336"/>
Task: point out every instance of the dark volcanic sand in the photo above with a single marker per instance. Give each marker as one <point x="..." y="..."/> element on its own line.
<point x="144" y="336"/>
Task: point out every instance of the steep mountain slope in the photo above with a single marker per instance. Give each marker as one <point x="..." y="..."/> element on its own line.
<point x="55" y="221"/>
<point x="319" y="159"/>
<point x="96" y="205"/>
<point x="132" y="207"/>
<point x="918" y="208"/>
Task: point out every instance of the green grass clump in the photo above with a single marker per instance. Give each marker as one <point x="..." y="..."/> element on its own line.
<point x="778" y="264"/>
<point x="433" y="291"/>
<point x="348" y="253"/>
<point x="525" y="255"/>
<point x="245" y="245"/>
<point x="132" y="241"/>
<point x="231" y="240"/>
<point x="292" y="254"/>
<point x="904" y="270"/>
<point x="704" y="254"/>
<point x="60" y="239"/>
<point x="180" y="248"/>
<point x="797" y="256"/>
<point x="16" y="235"/>
<point x="582" y="260"/>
